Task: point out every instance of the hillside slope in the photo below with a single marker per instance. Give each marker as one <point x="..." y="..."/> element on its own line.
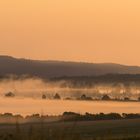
<point x="47" y="69"/>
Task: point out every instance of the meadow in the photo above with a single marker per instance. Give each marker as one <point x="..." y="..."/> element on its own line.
<point x="77" y="130"/>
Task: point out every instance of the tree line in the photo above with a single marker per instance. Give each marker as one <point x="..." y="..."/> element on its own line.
<point x="66" y="116"/>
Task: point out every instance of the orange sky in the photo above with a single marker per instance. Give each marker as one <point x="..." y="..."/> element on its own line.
<point x="76" y="30"/>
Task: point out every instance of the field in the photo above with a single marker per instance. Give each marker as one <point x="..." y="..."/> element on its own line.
<point x="92" y="130"/>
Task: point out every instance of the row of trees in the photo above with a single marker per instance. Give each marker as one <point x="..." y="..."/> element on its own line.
<point x="71" y="116"/>
<point x="67" y="116"/>
<point x="83" y="97"/>
<point x="105" y="97"/>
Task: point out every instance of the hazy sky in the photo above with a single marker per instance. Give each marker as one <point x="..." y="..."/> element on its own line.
<point x="76" y="30"/>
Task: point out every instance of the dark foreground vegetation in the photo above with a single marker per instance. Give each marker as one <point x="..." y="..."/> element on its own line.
<point x="85" y="130"/>
<point x="70" y="126"/>
<point x="65" y="117"/>
<point x="71" y="116"/>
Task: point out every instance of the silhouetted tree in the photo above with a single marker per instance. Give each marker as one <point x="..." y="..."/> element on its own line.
<point x="106" y="97"/>
<point x="126" y="99"/>
<point x="9" y="94"/>
<point x="57" y="96"/>
<point x="84" y="97"/>
<point x="43" y="96"/>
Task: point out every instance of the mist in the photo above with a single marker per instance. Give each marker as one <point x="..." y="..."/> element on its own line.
<point x="36" y="87"/>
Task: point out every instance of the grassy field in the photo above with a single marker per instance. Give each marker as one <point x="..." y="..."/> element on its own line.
<point x="99" y="130"/>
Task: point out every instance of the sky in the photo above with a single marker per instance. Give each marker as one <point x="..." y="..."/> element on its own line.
<point x="71" y="30"/>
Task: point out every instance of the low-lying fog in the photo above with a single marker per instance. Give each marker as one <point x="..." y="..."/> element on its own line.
<point x="28" y="94"/>
<point x="53" y="107"/>
<point x="35" y="87"/>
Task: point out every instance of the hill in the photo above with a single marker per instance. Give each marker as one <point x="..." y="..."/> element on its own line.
<point x="49" y="69"/>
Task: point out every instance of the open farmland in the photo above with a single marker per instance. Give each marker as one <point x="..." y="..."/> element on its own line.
<point x="95" y="130"/>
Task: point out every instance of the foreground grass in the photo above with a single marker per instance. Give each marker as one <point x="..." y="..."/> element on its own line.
<point x="94" y="130"/>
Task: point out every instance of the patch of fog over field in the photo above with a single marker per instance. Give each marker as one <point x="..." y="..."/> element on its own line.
<point x="35" y="88"/>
